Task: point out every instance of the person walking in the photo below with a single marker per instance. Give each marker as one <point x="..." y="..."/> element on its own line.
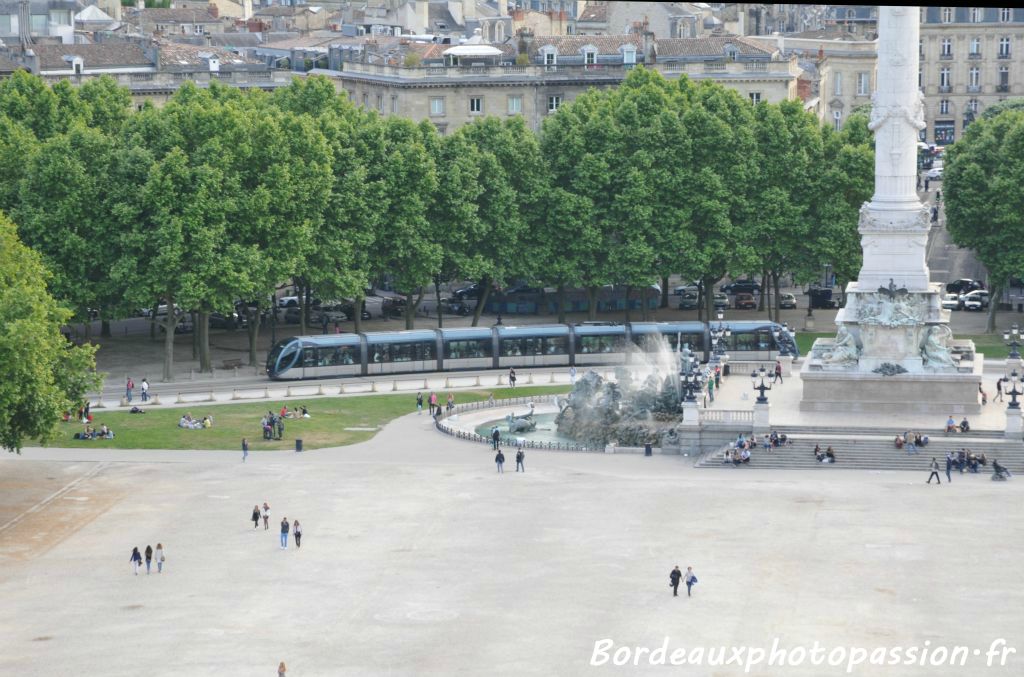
<point x="284" y="533"/>
<point x="711" y="389"/>
<point x="419" y="403"/>
<point x="450" y="404"/>
<point x="280" y="427"/>
<point x="136" y="560"/>
<point x="158" y="555"/>
<point x="512" y="377"/>
<point x="949" y="466"/>
<point x="572" y="375"/>
<point x="149" y="558"/>
<point x="245" y="449"/>
<point x="690" y="579"/>
<point x="674" y="579"/>
<point x="266" y="516"/>
<point x="935" y="472"/>
<point x="927" y="184"/>
<point x="145" y="390"/>
<point x="778" y="372"/>
<point x="255" y="517"/>
<point x="297" y="531"/>
<point x="499" y="459"/>
<point x="433" y="403"/>
<point x="999" y="389"/>
<point x="495" y="437"/>
<point x="520" y="457"/>
<point x="281" y="669"/>
<point x="129" y="387"/>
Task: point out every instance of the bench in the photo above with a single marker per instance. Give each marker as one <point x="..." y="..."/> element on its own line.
<point x="232" y="363"/>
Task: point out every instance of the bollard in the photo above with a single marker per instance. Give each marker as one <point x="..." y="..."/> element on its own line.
<point x="266" y="393"/>
<point x="288" y="392"/>
<point x="213" y="397"/>
<point x="180" y="399"/>
<point x="234" y="394"/>
<point x="155" y="399"/>
<point x="478" y="380"/>
<point x="394" y="386"/>
<point x="425" y="386"/>
<point x="551" y="378"/>
<point x="234" y="372"/>
<point x="99" y="405"/>
<point x="320" y="390"/>
<point x="373" y="387"/>
<point x="124" y="402"/>
<point x="447" y="383"/>
<point x="341" y="389"/>
<point x="191" y="375"/>
<point x="500" y="380"/>
<point x="529" y="378"/>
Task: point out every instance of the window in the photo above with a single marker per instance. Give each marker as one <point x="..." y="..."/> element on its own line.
<point x="1004" y="78"/>
<point x="920" y="79"/>
<point x="380" y="102"/>
<point x="394" y="103"/>
<point x="550" y="58"/>
<point x="944" y="107"/>
<point x="972" y="105"/>
<point x="837" y="120"/>
<point x="629" y="56"/>
<point x="515" y="105"/>
<point x="553" y="103"/>
<point x="590" y="58"/>
<point x="599" y="344"/>
<point x="974" y="77"/>
<point x="838" y="89"/>
<point x="1004" y="48"/>
<point x="863" y="83"/>
<point x="755" y="98"/>
<point x="977" y="15"/>
<point x="1004" y="14"/>
<point x="366" y="98"/>
<point x="947" y="47"/>
<point x="37" y="24"/>
<point x="468" y="349"/>
<point x="401" y="352"/>
<point x="920" y="44"/>
<point x="975" y="46"/>
<point x="437" y="105"/>
<point x="944" y="78"/>
<point x="947" y="15"/>
<point x="476" y="105"/>
<point x="531" y="347"/>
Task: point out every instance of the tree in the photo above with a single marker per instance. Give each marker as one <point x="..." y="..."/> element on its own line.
<point x="985" y="197"/>
<point x="41" y="374"/>
<point x="25" y="99"/>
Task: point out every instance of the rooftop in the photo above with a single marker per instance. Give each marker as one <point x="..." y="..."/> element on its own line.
<point x="109" y="55"/>
<point x="711" y="46"/>
<point x="171" y="16"/>
<point x="174" y="55"/>
<point x="574" y="44"/>
<point x="286" y="10"/>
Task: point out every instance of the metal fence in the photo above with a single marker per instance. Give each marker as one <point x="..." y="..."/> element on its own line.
<point x="441" y="424"/>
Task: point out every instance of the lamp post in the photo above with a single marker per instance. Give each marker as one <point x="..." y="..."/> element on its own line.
<point x="778" y="333"/>
<point x="718" y="336"/>
<point x="1014" y="379"/>
<point x="1011" y="338"/>
<point x="761" y="387"/>
<point x="689" y="374"/>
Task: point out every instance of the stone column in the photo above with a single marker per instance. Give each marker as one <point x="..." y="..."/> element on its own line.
<point x="1014" y="424"/>
<point x="762" y="417"/>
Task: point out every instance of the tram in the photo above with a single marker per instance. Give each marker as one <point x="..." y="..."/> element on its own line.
<point x="502" y="347"/>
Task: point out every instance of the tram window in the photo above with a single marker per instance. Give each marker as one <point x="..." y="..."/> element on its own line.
<point x="458" y="350"/>
<point x="745" y="341"/>
<point x="332" y="357"/>
<point x="512" y="348"/>
<point x="555" y="345"/>
<point x="402" y="352"/>
<point x="599" y="344"/>
<point x="309" y="357"/>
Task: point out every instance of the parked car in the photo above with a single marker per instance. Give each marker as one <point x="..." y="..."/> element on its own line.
<point x="470" y="291"/>
<point x="457" y="306"/>
<point x="689" y="301"/>
<point x="744" y="302"/>
<point x="721" y="300"/>
<point x="392" y="306"/>
<point x="787" y="301"/>
<point x="975" y="300"/>
<point x="963" y="285"/>
<point x="684" y="288"/>
<point x="333" y="311"/>
<point x="741" y="287"/>
<point x="935" y="173"/>
<point x="225" y="321"/>
<point x="292" y="315"/>
<point x="522" y="289"/>
<point x="951" y="302"/>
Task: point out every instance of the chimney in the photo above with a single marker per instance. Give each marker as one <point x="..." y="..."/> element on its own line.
<point x="423" y="16"/>
<point x="214" y="11"/>
<point x="650" y="48"/>
<point x="141" y="4"/>
<point x="246" y="9"/>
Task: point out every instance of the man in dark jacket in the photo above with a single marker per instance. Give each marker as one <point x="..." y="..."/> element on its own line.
<point x="499" y="460"/>
<point x="495" y="437"/>
<point x="674" y="579"/>
<point x="520" y="457"/>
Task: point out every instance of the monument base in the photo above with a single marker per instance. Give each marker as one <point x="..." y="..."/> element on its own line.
<point x="940" y="394"/>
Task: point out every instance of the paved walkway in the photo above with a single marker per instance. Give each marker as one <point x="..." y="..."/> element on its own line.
<point x="418" y="559"/>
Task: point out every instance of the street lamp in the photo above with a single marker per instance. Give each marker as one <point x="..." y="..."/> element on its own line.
<point x="761" y="387"/>
<point x="1011" y="339"/>
<point x="689" y="374"/>
<point x="778" y="333"/>
<point x="1014" y="379"/>
<point x="718" y="336"/>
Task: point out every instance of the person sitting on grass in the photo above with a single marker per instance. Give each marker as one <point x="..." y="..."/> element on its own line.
<point x="207" y="421"/>
<point x="305" y="412"/>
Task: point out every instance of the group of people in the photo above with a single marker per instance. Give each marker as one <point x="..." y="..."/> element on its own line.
<point x="827" y="456"/>
<point x="499" y="460"/>
<point x="189" y="423"/>
<point x="90" y="433"/>
<point x="129" y="389"/>
<point x="965" y="459"/>
<point x="689" y="578"/>
<point x="952" y="427"/>
<point x="913" y="441"/>
<point x="83" y="414"/>
<point x="272" y="423"/>
<point x="432" y="402"/>
<point x="774" y="440"/>
<point x="294" y="528"/>
<point x="149" y="557"/>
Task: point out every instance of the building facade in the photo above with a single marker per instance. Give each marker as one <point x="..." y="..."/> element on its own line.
<point x="971" y="58"/>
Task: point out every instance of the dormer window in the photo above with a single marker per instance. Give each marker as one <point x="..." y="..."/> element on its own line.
<point x="590" y="57"/>
<point x="629" y="55"/>
<point x="731" y="51"/>
<point x="549" y="55"/>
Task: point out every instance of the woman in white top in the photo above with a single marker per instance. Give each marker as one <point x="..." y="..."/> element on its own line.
<point x="158" y="555"/>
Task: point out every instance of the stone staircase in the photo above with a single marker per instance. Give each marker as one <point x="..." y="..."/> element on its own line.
<point x="874" y="452"/>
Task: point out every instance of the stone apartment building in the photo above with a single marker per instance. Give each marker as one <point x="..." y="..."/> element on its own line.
<point x="451" y="86"/>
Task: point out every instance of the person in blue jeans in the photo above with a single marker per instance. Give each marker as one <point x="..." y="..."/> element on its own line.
<point x="284" y="533"/>
<point x="690" y="579"/>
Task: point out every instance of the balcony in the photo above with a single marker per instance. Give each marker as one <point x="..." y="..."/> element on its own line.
<point x="973" y="89"/>
<point x="945" y="89"/>
<point x="974" y="55"/>
<point x="945" y="57"/>
<point x="1002" y="88"/>
<point x="1004" y="55"/>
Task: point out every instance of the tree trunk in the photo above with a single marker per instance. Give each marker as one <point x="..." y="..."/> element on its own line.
<point x="195" y="334"/>
<point x="170" y="322"/>
<point x="629" y="291"/>
<point x="764" y="292"/>
<point x="561" y="304"/>
<point x="591" y="302"/>
<point x="645" y="312"/>
<point x="203" y="329"/>
<point x="664" y="292"/>
<point x="485" y="293"/>
<point x="993" y="307"/>
<point x="437" y="295"/>
<point x="105" y="328"/>
<point x="304" y="303"/>
<point x="152" y="322"/>
<point x="357" y="311"/>
<point x="252" y="322"/>
<point x="778" y="297"/>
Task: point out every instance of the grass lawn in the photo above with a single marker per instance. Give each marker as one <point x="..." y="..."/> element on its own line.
<point x="991" y="345"/>
<point x="326" y="427"/>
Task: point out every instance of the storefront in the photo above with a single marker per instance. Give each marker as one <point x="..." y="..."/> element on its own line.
<point x="945" y="132"/>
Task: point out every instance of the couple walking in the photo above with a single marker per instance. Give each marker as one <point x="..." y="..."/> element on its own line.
<point x="689" y="578"/>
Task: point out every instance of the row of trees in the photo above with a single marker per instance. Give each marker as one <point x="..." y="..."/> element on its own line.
<point x="222" y="195"/>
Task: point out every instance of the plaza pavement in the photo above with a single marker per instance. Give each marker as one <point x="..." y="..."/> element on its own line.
<point x="418" y="559"/>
